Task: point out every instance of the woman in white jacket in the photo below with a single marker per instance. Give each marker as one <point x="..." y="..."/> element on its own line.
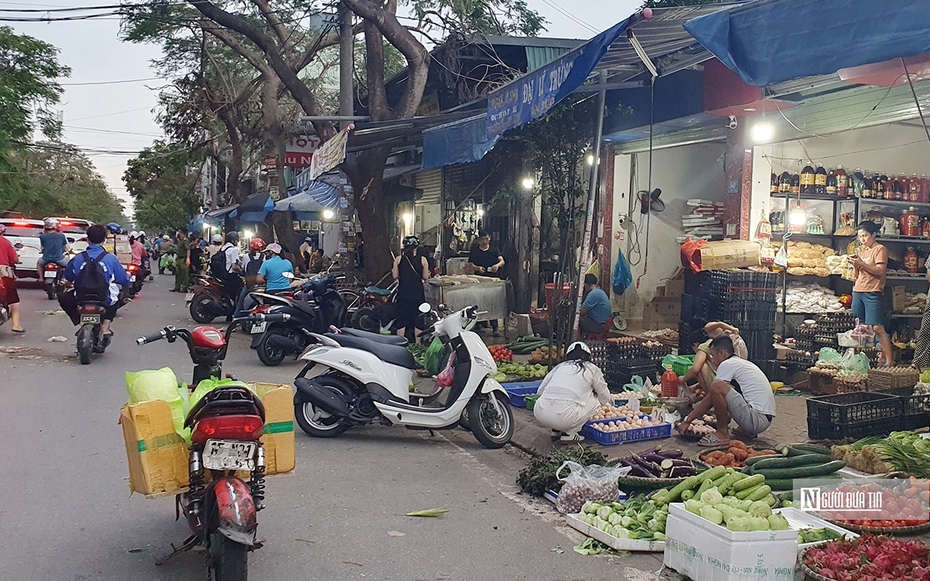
<point x="571" y="393"/>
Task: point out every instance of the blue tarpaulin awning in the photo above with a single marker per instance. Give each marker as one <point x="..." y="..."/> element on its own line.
<point x="770" y="41"/>
<point x="463" y="141"/>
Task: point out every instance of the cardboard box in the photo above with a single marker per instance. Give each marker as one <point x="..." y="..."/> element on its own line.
<point x="662" y="312"/>
<point x="728" y="254"/>
<point x="898" y="298"/>
<point x="675" y="285"/>
<point x="699" y="549"/>
<point x="158" y="456"/>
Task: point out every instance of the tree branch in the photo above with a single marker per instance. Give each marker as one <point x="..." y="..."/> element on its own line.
<point x="401" y="38"/>
<point x="276" y="25"/>
<point x="232" y="42"/>
<point x="374" y="64"/>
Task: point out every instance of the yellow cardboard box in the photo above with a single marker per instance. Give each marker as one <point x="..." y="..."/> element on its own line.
<point x="158" y="456"/>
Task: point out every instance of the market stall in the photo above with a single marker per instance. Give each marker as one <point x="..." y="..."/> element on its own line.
<point x="460" y="291"/>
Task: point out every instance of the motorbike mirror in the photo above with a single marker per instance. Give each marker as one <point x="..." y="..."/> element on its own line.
<point x="424" y="308"/>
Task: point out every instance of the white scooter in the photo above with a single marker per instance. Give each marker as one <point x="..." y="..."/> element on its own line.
<point x="352" y="381"/>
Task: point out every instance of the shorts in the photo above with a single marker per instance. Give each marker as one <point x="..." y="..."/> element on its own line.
<point x="8" y="291"/>
<point x="868" y="307"/>
<point x="745" y="415"/>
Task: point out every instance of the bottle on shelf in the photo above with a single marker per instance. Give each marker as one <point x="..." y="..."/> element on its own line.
<point x="842" y="182"/>
<point x="924" y="189"/>
<point x="863" y="184"/>
<point x="784" y="183"/>
<point x="925" y="227"/>
<point x="820" y="180"/>
<point x="914" y="188"/>
<point x="887" y="188"/>
<point x="910" y="222"/>
<point x="773" y="187"/>
<point x="807" y="181"/>
<point x="899" y="187"/>
<point x="910" y="259"/>
<point x="796" y="184"/>
<point x="832" y="183"/>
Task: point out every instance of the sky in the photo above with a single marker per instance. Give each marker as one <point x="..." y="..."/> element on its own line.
<point x="103" y="113"/>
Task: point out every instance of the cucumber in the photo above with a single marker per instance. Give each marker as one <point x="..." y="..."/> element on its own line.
<point x="687" y="495"/>
<point x="705" y="486"/>
<point x="745" y="493"/>
<point x="747" y="483"/>
<point x="810" y="448"/>
<point x="752" y="461"/>
<point x="712" y="474"/>
<point x="760" y="493"/>
<point x="788" y="484"/>
<point x="808" y="471"/>
<point x="770" y="500"/>
<point x="728" y="481"/>
<point x="675" y="493"/>
<point x="790" y="462"/>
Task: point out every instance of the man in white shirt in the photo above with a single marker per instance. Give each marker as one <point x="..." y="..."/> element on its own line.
<point x="233" y="278"/>
<point x="740" y="391"/>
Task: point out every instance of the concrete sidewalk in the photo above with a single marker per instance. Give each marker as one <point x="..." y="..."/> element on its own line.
<point x="790" y="426"/>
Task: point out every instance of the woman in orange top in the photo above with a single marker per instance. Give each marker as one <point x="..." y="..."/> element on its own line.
<point x="871" y="266"/>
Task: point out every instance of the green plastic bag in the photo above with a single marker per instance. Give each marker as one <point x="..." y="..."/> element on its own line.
<point x="433" y="360"/>
<point x="154" y="384"/>
<point x="208" y="385"/>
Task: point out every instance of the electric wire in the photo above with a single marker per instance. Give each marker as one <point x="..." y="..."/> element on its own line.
<point x="115" y="82"/>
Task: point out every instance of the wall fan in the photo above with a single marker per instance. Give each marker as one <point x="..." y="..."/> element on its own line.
<point x="651" y="201"/>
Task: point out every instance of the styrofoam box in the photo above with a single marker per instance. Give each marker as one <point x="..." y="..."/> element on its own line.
<point x="704" y="551"/>
<point x="799" y="519"/>
<point x="612" y="541"/>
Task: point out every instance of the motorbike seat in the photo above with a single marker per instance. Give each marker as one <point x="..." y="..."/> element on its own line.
<point x="226" y="400"/>
<point x="393" y="354"/>
<point x="381" y="292"/>
<point x="376" y="337"/>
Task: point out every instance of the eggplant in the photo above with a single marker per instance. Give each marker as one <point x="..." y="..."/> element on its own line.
<point x="667" y="464"/>
<point x="682" y="471"/>
<point x="654" y="458"/>
<point x="685" y="463"/>
<point x="627" y="462"/>
<point x="673" y="454"/>
<point x="641" y="472"/>
<point x="646" y="465"/>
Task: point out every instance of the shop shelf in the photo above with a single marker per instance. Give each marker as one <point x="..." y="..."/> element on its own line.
<point x="904" y="239"/>
<point x="906" y="315"/>
<point x="631" y="435"/>
<point x="912" y="277"/>
<point x="847" y="409"/>
<point x="902" y="203"/>
<point x="822" y="197"/>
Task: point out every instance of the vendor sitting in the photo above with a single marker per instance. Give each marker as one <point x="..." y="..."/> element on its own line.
<point x="571" y="393"/>
<point x="702" y="371"/>
<point x="595" y="310"/>
<point x="740" y="391"/>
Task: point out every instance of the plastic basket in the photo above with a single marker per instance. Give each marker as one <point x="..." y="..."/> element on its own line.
<point x="916" y="408"/>
<point x="853" y="408"/>
<point x="678" y="366"/>
<point x="631" y="435"/>
<point x="531" y="401"/>
<point x="820" y="430"/>
<point x="518" y="391"/>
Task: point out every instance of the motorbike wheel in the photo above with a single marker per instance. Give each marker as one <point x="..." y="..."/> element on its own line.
<point x="364" y="319"/>
<point x="326" y="425"/>
<point x="492" y="425"/>
<point x="267" y="354"/>
<point x="85" y="343"/>
<point x="50" y="291"/>
<point x="202" y="308"/>
<point x="229" y="559"/>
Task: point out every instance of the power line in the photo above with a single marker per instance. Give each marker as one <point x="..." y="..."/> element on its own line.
<point x="112" y="114"/>
<point x="570" y="16"/>
<point x="110" y="82"/>
<point x="68" y="9"/>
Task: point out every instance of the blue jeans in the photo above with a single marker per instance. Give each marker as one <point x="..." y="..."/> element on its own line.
<point x="868" y="307"/>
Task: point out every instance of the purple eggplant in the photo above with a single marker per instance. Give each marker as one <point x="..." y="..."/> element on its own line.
<point x="654" y="458"/>
<point x="681" y="472"/>
<point x="641" y="472"/>
<point x="673" y="454"/>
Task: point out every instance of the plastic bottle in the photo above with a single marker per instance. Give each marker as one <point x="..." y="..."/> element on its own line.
<point x="925" y="229"/>
<point x="832" y="183"/>
<point x="899" y="187"/>
<point x="669" y="382"/>
<point x="807" y="181"/>
<point x="796" y="184"/>
<point x="914" y="188"/>
<point x="910" y="259"/>
<point x="910" y="222"/>
<point x="924" y="189"/>
<point x="784" y="183"/>
<point x="820" y="180"/>
<point x="842" y="182"/>
<point x="773" y="187"/>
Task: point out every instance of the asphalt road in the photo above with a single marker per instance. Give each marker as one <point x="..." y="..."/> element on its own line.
<point x="67" y="513"/>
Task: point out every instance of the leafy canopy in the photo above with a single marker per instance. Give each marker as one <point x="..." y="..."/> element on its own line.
<point x="162" y="182"/>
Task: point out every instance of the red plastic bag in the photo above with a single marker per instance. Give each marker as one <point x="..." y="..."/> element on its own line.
<point x="690" y="257"/>
<point x="444" y="379"/>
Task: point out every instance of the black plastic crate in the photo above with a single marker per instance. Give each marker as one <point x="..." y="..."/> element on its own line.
<point x="916" y="408"/>
<point x="820" y="430"/>
<point x="847" y="409"/>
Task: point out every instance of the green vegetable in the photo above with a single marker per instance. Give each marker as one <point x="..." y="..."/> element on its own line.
<point x="730" y="512"/>
<point x="817" y="535"/>
<point x="694" y="506"/>
<point x="740" y="524"/>
<point x="759" y="493"/>
<point x="711" y="514"/>
<point x="803" y="471"/>
<point x="789" y="462"/>
<point x="711" y="496"/>
<point x="743" y="494"/>
<point x="712" y="474"/>
<point x="752" y="461"/>
<point x="810" y="448"/>
<point x="745" y="483"/>
<point x="760" y="508"/>
<point x="770" y="500"/>
<point x="705" y="486"/>
<point x="687" y="495"/>
<point x="675" y="493"/>
<point x="539" y="475"/>
<point x="758" y="523"/>
<point x="729" y="481"/>
<point x="590" y="507"/>
<point x="604" y="512"/>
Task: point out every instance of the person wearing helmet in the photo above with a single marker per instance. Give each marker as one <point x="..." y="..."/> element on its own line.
<point x="8" y="295"/>
<point x="251" y="262"/>
<point x="230" y="266"/>
<point x="114" y="228"/>
<point x="410" y="270"/>
<point x="272" y="270"/>
<point x="54" y="247"/>
<point x="571" y="393"/>
<point x="216" y="242"/>
<point x="164" y="248"/>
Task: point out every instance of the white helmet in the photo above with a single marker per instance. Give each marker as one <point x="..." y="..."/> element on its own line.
<point x="133" y="234"/>
<point x="50" y="223"/>
<point x="166" y="237"/>
<point x="580" y="345"/>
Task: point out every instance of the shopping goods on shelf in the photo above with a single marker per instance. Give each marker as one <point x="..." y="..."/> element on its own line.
<point x="811" y="298"/>
<point x="704" y="220"/>
<point x="805" y="258"/>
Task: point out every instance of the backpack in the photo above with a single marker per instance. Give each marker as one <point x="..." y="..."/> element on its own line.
<point x="91" y="284"/>
<point x="218" y="264"/>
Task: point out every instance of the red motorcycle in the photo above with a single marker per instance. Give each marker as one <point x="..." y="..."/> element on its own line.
<point x="226" y="427"/>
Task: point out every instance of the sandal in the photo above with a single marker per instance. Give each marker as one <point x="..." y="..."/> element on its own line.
<point x="740" y="432"/>
<point x="19" y="331"/>
<point x="711" y="440"/>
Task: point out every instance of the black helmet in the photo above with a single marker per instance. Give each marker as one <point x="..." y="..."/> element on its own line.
<point x="411" y="242"/>
<point x="232" y="237"/>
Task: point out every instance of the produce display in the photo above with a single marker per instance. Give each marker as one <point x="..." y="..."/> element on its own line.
<point x="736" y="514"/>
<point x="810" y="298"/>
<point x="539" y="475"/>
<point x="870" y="558"/>
<point x="734" y="456"/>
<point x="725" y="482"/>
<point x="528" y="344"/>
<point x="522" y="370"/>
<point x="541" y="355"/>
<point x="907" y="498"/>
<point x="637" y="518"/>
<point x="805" y="258"/>
<point x="811" y="535"/>
<point x="666" y="335"/>
<point x="659" y="463"/>
<point x="609" y="412"/>
<point x="900" y="451"/>
<point x="627" y="423"/>
<point x="699" y="428"/>
<point x="795" y="461"/>
<point x="500" y="353"/>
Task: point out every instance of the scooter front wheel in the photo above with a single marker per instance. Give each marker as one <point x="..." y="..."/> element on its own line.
<point x="229" y="559"/>
<point x="202" y="309"/>
<point x="491" y="420"/>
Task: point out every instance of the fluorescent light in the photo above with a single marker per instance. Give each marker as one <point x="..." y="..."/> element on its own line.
<point x="328" y="214"/>
<point x="528" y="183"/>
<point x="762" y="132"/>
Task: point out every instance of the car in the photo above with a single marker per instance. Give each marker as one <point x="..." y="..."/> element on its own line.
<point x="75" y="230"/>
<point x="23" y="234"/>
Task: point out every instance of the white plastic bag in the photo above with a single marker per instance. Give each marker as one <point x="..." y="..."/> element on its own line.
<point x="584" y="483"/>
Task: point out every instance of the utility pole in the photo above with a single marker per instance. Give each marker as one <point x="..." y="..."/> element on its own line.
<point x="346" y="61"/>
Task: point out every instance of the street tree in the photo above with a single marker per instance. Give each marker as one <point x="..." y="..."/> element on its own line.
<point x="162" y="181"/>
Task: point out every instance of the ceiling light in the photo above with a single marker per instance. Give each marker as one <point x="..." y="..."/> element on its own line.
<point x="762" y="132"/>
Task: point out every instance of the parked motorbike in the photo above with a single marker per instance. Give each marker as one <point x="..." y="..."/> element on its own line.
<point x="51" y="279"/>
<point x="371" y="303"/>
<point x="136" y="278"/>
<point x="209" y="299"/>
<point x="352" y="381"/>
<point x="314" y="308"/>
<point x="226" y="427"/>
<point x="89" y="338"/>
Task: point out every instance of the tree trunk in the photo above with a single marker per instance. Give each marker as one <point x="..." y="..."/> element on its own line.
<point x="365" y="171"/>
<point x="235" y="169"/>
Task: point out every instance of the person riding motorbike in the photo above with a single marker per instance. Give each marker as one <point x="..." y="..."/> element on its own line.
<point x="225" y="265"/>
<point x="251" y="263"/>
<point x="8" y="295"/>
<point x="54" y="246"/>
<point x="114" y="273"/>
<point x="164" y="247"/>
<point x="273" y="268"/>
<point x="139" y="255"/>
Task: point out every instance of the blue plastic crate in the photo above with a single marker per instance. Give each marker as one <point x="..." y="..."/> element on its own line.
<point x="631" y="435"/>
<point x="518" y="390"/>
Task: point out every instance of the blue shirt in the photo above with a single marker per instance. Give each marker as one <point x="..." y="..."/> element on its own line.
<point x="53" y="246"/>
<point x="598" y="306"/>
<point x="112" y="269"/>
<point x="272" y="269"/>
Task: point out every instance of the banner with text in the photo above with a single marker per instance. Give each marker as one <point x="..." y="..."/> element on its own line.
<point x="329" y="155"/>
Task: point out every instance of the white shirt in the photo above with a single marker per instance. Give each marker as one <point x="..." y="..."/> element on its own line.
<point x="751" y="381"/>
<point x="569" y="383"/>
<point x="232" y="255"/>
